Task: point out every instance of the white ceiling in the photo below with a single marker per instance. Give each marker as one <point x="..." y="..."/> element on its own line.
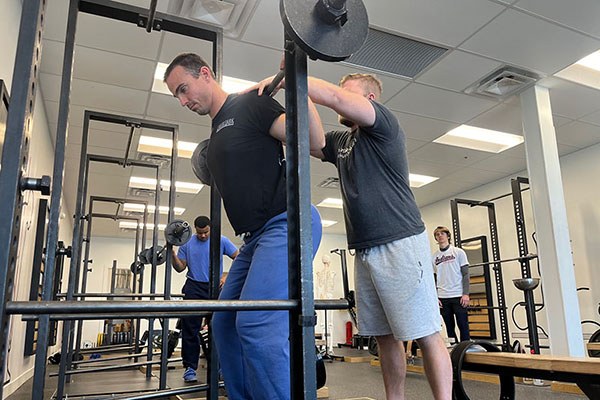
<point x="115" y="61"/>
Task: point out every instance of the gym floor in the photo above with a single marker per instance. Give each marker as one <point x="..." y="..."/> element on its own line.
<point x="356" y="381"/>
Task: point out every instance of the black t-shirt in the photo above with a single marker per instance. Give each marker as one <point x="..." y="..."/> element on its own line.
<point x="379" y="206"/>
<point x="246" y="162"/>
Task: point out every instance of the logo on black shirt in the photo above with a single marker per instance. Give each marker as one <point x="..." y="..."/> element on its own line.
<point x="225" y="124"/>
<point x="345" y="151"/>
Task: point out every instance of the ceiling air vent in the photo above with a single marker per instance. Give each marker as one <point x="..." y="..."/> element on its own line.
<point x="330" y="183"/>
<point x="231" y="15"/>
<point x="505" y="81"/>
<point x="394" y="54"/>
<point x="141" y="192"/>
<point x="161" y="161"/>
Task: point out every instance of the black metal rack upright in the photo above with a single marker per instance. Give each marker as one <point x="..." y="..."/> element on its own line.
<point x="517" y="198"/>
<point x="497" y="266"/>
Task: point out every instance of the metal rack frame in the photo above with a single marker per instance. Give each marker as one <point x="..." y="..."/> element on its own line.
<point x="497" y="266"/>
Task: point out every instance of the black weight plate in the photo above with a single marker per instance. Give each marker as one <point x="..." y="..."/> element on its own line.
<point x="178" y="232"/>
<point x="145" y="256"/>
<point x="199" y="165"/>
<point x="595" y="338"/>
<point x="320" y="40"/>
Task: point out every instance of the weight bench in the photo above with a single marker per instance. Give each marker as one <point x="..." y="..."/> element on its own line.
<point x="585" y="372"/>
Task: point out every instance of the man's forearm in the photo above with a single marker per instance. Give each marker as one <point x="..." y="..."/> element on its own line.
<point x="178" y="265"/>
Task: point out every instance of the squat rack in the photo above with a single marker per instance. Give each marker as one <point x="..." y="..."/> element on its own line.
<point x="497" y="266"/>
<point x="14" y="159"/>
<point x="524" y="257"/>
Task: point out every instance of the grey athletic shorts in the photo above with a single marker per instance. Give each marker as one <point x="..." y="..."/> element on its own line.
<point x="395" y="289"/>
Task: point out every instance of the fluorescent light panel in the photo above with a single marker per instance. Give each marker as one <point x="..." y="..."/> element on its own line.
<point x="331" y="202"/>
<point x="150" y="183"/>
<point x="471" y="137"/>
<point x="229" y="84"/>
<point x="585" y="71"/>
<point x="154" y="145"/>
<point x="417" y="180"/>
<point x="139" y="208"/>
<point x="327" y="223"/>
<point x="133" y="225"/>
<point x="592" y="61"/>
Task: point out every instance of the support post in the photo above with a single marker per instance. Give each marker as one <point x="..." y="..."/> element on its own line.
<point x="550" y="215"/>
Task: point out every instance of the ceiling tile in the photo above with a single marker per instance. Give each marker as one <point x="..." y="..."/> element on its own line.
<point x="503" y="118"/>
<point x="435" y="152"/>
<point x="413" y="144"/>
<point x="439" y="21"/>
<point x="439" y="190"/>
<point x="530" y="42"/>
<point x="560" y="120"/>
<point x="437" y="103"/>
<point x="248" y="61"/>
<point x="475" y="175"/>
<point x="50" y="86"/>
<point x="564" y="149"/>
<point x="52" y="57"/>
<point x="593" y="118"/>
<point x="570" y="99"/>
<point x="108" y="97"/>
<point x="174" y="44"/>
<point x="436" y="168"/>
<point x="502" y="163"/>
<point x="108" y="34"/>
<point x="98" y="66"/>
<point x="55" y="26"/>
<point x="266" y="14"/>
<point x="423" y="128"/>
<point x="458" y="70"/>
<point x="517" y="152"/>
<point x="578" y="134"/>
<point x="579" y="14"/>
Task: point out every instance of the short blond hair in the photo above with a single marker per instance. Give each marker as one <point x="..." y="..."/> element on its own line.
<point x="370" y="83"/>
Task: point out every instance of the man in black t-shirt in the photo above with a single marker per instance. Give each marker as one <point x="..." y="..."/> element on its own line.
<point x="395" y="291"/>
<point x="245" y="158"/>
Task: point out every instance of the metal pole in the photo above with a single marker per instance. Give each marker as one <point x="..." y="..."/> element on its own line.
<point x="153" y="271"/>
<point x="55" y="206"/>
<point x="303" y="319"/>
<point x="498" y="275"/>
<point x="85" y="271"/>
<point x="15" y="158"/>
<point x="212" y="358"/>
<point x="517" y="197"/>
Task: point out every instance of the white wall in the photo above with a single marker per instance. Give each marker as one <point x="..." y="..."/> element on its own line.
<point x="41" y="158"/>
<point x="579" y="173"/>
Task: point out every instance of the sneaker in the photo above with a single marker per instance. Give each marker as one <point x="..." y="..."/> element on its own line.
<point x="190" y="375"/>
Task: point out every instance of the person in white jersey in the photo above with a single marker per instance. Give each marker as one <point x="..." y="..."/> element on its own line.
<point x="451" y="268"/>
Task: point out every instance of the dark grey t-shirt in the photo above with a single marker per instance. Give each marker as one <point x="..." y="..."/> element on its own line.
<point x="379" y="206"/>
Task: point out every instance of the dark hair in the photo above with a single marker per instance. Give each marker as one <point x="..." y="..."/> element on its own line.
<point x="442" y="229"/>
<point x="201" y="221"/>
<point x="191" y="63"/>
